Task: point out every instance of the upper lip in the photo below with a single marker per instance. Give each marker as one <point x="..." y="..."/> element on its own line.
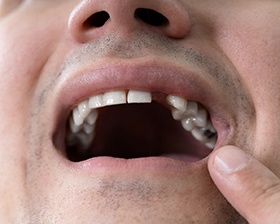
<point x="145" y="74"/>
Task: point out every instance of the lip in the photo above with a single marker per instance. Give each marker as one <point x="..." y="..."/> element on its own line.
<point x="147" y="75"/>
<point x="160" y="165"/>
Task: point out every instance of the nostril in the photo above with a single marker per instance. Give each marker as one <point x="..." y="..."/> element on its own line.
<point x="98" y="19"/>
<point x="151" y="17"/>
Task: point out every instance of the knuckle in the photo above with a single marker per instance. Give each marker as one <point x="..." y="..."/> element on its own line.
<point x="264" y="201"/>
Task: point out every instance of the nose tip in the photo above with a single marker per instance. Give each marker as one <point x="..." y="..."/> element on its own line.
<point x="92" y="18"/>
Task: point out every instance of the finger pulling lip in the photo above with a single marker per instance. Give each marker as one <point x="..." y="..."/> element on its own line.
<point x="148" y="76"/>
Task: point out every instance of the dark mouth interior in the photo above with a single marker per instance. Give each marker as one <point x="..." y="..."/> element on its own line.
<point x="137" y="130"/>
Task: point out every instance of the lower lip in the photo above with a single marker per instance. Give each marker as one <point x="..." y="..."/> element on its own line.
<point x="165" y="163"/>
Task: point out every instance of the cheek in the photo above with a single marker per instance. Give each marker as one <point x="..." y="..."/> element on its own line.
<point x="19" y="61"/>
<point x="16" y="73"/>
<point x="24" y="50"/>
<point x="253" y="47"/>
<point x="256" y="58"/>
<point x="251" y="41"/>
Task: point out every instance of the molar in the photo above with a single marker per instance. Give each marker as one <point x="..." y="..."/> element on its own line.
<point x="194" y="118"/>
<point x="188" y="124"/>
<point x="201" y="119"/>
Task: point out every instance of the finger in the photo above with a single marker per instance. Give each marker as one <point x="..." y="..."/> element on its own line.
<point x="247" y="184"/>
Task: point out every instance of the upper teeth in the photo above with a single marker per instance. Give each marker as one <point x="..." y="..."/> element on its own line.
<point x="194" y="117"/>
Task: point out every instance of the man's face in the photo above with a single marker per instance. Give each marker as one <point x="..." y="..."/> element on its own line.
<point x="67" y="159"/>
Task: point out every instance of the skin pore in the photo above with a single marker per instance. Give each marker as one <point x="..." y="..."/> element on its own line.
<point x="221" y="53"/>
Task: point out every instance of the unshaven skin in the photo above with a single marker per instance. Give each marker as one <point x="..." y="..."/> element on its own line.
<point x="141" y="166"/>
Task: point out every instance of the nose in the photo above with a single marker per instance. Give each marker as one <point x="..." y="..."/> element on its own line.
<point x="93" y="18"/>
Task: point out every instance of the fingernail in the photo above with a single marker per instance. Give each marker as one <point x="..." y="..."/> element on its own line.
<point x="230" y="160"/>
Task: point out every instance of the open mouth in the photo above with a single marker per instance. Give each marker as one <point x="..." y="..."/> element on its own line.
<point x="134" y="124"/>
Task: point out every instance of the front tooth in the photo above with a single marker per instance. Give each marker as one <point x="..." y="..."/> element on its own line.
<point x="177" y="102"/>
<point x="78" y="119"/>
<point x="96" y="101"/>
<point x="114" y="97"/>
<point x="83" y="108"/>
<point x="135" y="96"/>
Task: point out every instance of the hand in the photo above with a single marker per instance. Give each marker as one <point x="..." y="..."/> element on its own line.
<point x="251" y="188"/>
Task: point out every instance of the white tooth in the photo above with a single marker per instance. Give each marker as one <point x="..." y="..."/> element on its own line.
<point x="210" y="127"/>
<point x="88" y="128"/>
<point x="192" y="108"/>
<point x="188" y="124"/>
<point x="114" y="97"/>
<point x="135" y="96"/>
<point x="211" y="143"/>
<point x="177" y="115"/>
<point x="92" y="117"/>
<point x="81" y="138"/>
<point x="198" y="134"/>
<point x="74" y="128"/>
<point x="177" y="102"/>
<point x="193" y="119"/>
<point x="83" y="108"/>
<point x="201" y="119"/>
<point x="96" y="101"/>
<point x="85" y="139"/>
<point x="211" y="135"/>
<point x="78" y="119"/>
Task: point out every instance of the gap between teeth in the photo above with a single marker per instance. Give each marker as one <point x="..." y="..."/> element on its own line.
<point x="194" y="117"/>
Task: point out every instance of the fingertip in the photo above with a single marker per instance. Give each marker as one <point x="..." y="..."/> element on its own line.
<point x="228" y="159"/>
<point x="249" y="186"/>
